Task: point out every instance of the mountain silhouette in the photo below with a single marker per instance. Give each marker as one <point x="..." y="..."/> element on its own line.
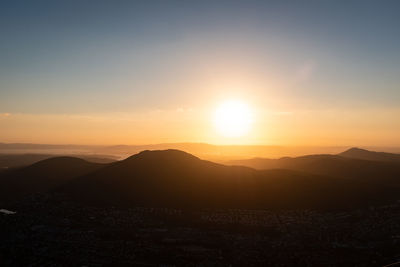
<point x="178" y="179"/>
<point x="42" y="176"/>
<point x="169" y="177"/>
<point x="358" y="153"/>
<point x="173" y="178"/>
<point x="20" y="160"/>
<point x="333" y="166"/>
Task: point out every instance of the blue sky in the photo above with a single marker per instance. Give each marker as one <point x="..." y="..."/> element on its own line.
<point x="65" y="52"/>
<point x="95" y="57"/>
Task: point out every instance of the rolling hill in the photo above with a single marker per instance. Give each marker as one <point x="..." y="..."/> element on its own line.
<point x="173" y="178"/>
<point x="19" y="160"/>
<point x="358" y="153"/>
<point x="42" y="176"/>
<point x="332" y="165"/>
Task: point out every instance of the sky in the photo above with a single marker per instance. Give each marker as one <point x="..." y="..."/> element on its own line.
<point x="139" y="72"/>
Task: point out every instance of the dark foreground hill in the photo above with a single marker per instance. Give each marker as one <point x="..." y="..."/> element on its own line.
<point x="42" y="176"/>
<point x="280" y="228"/>
<point x="177" y="179"/>
<point x="173" y="178"/>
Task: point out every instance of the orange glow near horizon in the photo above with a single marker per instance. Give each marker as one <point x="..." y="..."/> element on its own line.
<point x="356" y="127"/>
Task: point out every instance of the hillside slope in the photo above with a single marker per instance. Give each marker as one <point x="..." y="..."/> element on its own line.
<point x="358" y="153"/>
<point x="331" y="165"/>
<point x="175" y="178"/>
<point x="42" y="176"/>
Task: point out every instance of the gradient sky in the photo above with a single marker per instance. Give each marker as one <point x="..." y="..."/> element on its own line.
<point x="110" y="72"/>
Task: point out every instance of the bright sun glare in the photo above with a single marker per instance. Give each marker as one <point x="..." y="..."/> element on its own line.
<point x="233" y="118"/>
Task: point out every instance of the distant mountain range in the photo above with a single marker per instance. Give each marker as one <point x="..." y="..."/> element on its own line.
<point x="173" y="178"/>
<point x="205" y="151"/>
<point x="352" y="163"/>
<point x="20" y="160"/>
<point x="358" y="153"/>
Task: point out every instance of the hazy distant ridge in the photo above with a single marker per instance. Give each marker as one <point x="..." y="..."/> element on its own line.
<point x="358" y="153"/>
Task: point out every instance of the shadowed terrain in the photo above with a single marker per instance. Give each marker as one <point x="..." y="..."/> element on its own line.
<point x="169" y="207"/>
<point x="177" y="179"/>
<point x="173" y="178"/>
<point x="357" y="153"/>
<point x="42" y="176"/>
<point x="19" y="160"/>
<point x="379" y="171"/>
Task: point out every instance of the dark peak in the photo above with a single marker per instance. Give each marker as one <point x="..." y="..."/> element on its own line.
<point x="359" y="153"/>
<point x="61" y="161"/>
<point x="355" y="152"/>
<point x="355" y="149"/>
<point x="170" y="154"/>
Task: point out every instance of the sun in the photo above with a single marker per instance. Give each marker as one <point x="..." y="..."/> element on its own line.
<point x="233" y="118"/>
